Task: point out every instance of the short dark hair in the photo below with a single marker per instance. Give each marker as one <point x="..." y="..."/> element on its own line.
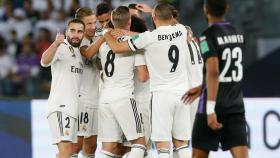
<point x="138" y="24"/>
<point x="78" y="21"/>
<point x="163" y="11"/>
<point x="83" y="12"/>
<point x="132" y="6"/>
<point x="216" y="8"/>
<point x="103" y="8"/>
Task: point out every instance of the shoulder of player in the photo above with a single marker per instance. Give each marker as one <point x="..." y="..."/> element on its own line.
<point x="62" y="46"/>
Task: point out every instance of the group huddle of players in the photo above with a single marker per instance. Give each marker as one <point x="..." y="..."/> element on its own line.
<point x="132" y="89"/>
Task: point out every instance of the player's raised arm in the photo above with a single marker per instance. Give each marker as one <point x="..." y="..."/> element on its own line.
<point x="144" y="8"/>
<point x="90" y="51"/>
<point x="117" y="47"/>
<point x="48" y="55"/>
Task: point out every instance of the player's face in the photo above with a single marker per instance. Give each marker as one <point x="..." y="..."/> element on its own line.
<point x="75" y="33"/>
<point x="90" y="25"/>
<point x="104" y="19"/>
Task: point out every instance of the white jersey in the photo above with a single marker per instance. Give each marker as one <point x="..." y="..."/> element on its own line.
<point x="117" y="73"/>
<point x="66" y="69"/>
<point x="194" y="64"/>
<point x="90" y="79"/>
<point x="164" y="51"/>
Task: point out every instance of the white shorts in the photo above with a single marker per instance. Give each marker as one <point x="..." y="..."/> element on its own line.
<point x="119" y="119"/>
<point x="88" y="120"/>
<point x="63" y="127"/>
<point x="144" y="106"/>
<point x="170" y="117"/>
<point x="193" y="110"/>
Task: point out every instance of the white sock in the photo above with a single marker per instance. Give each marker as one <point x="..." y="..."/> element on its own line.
<point x="163" y="153"/>
<point x="182" y="152"/>
<point x="82" y="154"/>
<point x="137" y="151"/>
<point x="74" y="156"/>
<point x="147" y="154"/>
<point x="105" y="154"/>
<point x="175" y="153"/>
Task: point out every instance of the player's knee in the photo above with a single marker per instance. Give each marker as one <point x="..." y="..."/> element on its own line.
<point x="77" y="147"/>
<point x="121" y="150"/>
<point x="196" y="153"/>
<point x="65" y="148"/>
<point x="109" y="147"/>
<point x="140" y="140"/>
<point x="163" y="145"/>
<point x="89" y="147"/>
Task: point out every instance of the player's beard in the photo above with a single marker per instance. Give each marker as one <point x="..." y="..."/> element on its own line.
<point x="75" y="42"/>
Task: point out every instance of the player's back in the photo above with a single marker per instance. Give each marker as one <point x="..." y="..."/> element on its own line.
<point x="117" y="72"/>
<point x="228" y="44"/>
<point x="165" y="59"/>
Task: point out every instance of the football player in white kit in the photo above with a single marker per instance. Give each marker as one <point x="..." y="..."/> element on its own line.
<point x="89" y="90"/>
<point x="66" y="67"/>
<point x="165" y="50"/>
<point x="118" y="114"/>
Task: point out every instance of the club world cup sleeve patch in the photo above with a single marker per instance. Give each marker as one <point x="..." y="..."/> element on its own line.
<point x="204" y="45"/>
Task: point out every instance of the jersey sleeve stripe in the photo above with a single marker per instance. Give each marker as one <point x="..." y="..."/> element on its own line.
<point x="132" y="45"/>
<point x="191" y="53"/>
<point x="198" y="52"/>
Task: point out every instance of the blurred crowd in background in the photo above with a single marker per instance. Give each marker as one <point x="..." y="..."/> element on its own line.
<point x="27" y="29"/>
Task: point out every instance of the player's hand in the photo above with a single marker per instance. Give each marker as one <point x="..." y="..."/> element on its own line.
<point x="213" y="122"/>
<point x="59" y="38"/>
<point x="191" y="95"/>
<point x="144" y="8"/>
<point x="189" y="33"/>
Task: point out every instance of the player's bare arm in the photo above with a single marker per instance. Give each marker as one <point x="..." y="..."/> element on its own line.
<point x="144" y="8"/>
<point x="143" y="74"/>
<point x="117" y="47"/>
<point x="90" y="51"/>
<point x="50" y="52"/>
<point x="212" y="82"/>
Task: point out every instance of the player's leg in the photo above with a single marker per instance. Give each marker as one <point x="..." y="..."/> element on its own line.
<point x="77" y="147"/>
<point x="234" y="137"/>
<point x="239" y="152"/>
<point x="65" y="149"/>
<point x="131" y="125"/>
<point x="181" y="129"/>
<point x="109" y="131"/>
<point x="204" y="139"/>
<point x="64" y="132"/>
<point x="145" y="113"/>
<point x="198" y="153"/>
<point x="90" y="139"/>
<point x="123" y="149"/>
<point x="81" y="126"/>
<point x="162" y="122"/>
